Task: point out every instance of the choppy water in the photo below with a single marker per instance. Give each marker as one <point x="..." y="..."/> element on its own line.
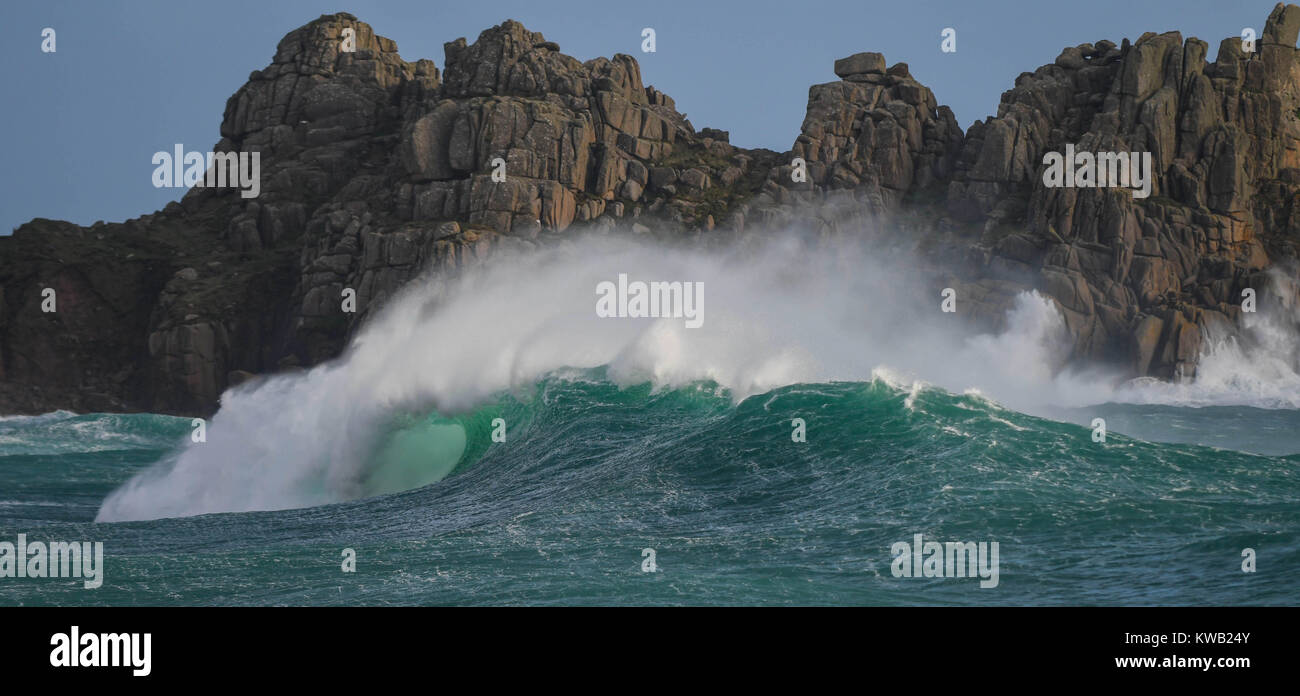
<point x="591" y="474"/>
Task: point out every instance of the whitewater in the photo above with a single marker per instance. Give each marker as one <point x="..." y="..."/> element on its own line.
<point x="781" y="314"/>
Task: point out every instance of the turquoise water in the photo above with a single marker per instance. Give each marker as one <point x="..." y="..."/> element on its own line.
<point x="590" y="474"/>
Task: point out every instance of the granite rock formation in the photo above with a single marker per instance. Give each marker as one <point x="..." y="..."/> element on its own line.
<point x="375" y="169"/>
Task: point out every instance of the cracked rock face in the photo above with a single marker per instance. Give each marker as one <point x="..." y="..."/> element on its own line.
<point x="1140" y="281"/>
<point x="375" y="169"/>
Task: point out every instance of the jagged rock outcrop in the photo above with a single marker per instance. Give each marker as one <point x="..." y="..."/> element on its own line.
<point x="1140" y="281"/>
<point x="876" y="134"/>
<point x="374" y="169"/>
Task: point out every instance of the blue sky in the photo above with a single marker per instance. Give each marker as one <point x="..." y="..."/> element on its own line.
<point x="131" y="78"/>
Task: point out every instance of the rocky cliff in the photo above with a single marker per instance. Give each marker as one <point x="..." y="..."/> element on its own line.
<point x="375" y="169"/>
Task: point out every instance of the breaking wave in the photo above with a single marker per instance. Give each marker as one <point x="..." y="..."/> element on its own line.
<point x="406" y="403"/>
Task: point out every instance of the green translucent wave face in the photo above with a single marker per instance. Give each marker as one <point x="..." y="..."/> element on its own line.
<point x="417" y="453"/>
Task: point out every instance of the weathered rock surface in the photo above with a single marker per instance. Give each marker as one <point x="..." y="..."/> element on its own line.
<point x="1140" y="280"/>
<point x="375" y="169"/>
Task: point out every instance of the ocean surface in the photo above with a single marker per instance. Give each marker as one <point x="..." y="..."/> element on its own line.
<point x="492" y="442"/>
<point x="736" y="512"/>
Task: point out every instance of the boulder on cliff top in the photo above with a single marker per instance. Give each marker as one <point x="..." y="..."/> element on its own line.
<point x="860" y="64"/>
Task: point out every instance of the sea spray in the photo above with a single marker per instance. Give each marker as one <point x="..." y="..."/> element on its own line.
<point x="781" y="313"/>
<point x="1255" y="363"/>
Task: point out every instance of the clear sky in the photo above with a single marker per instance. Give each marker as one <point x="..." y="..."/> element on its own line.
<point x="132" y="77"/>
